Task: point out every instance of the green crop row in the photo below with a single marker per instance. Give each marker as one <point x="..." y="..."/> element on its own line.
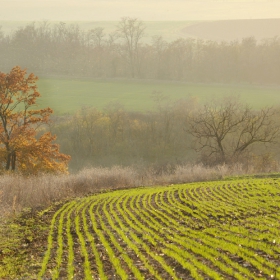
<point x="210" y="230"/>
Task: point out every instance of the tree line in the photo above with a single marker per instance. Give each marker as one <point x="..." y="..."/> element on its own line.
<point x="61" y="49"/>
<point x="216" y="133"/>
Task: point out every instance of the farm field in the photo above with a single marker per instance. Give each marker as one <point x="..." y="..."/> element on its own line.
<point x="210" y="230"/>
<point x="69" y="95"/>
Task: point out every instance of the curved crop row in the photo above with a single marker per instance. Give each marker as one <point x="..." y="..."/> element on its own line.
<point x="213" y="230"/>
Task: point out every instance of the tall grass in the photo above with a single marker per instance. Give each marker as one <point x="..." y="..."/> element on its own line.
<point x="18" y="192"/>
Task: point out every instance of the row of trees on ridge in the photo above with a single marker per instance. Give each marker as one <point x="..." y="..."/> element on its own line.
<point x="61" y="49"/>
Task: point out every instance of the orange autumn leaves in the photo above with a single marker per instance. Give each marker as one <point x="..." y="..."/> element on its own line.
<point x="20" y="147"/>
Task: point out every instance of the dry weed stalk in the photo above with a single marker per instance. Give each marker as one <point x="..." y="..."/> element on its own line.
<point x="14" y="204"/>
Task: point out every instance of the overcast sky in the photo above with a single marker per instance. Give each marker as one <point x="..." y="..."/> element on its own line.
<point x="144" y="9"/>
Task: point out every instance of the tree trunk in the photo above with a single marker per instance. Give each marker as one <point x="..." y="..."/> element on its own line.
<point x="8" y="163"/>
<point x="11" y="161"/>
<point x="14" y="161"/>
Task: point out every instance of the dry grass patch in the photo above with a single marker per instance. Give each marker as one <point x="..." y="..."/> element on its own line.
<point x="18" y="192"/>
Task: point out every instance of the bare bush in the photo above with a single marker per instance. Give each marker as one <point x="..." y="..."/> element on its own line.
<point x="39" y="191"/>
<point x="18" y="191"/>
<point x="94" y="179"/>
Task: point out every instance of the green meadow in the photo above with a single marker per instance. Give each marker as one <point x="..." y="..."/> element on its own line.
<point x="69" y="95"/>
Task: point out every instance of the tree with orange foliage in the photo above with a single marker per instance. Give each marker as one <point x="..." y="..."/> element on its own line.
<point x="20" y="149"/>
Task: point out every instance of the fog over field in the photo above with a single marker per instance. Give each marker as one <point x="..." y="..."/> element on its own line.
<point x="144" y="9"/>
<point x="139" y="139"/>
<point x="119" y="67"/>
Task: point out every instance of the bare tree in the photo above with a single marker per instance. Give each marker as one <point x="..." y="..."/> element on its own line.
<point x="131" y="30"/>
<point x="159" y="47"/>
<point x="96" y="36"/>
<point x="224" y="132"/>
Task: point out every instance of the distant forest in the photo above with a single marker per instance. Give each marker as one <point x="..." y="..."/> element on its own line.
<point x="61" y="49"/>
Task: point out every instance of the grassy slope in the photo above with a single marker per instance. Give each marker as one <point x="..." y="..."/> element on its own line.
<point x="68" y="95"/>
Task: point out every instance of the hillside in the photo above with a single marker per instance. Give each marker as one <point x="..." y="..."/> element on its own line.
<point x="69" y="95"/>
<point x="230" y="30"/>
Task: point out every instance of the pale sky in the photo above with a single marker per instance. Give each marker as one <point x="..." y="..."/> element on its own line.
<point x="96" y="10"/>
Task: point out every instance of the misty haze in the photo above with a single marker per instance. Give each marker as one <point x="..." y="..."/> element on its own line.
<point x="139" y="139"/>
